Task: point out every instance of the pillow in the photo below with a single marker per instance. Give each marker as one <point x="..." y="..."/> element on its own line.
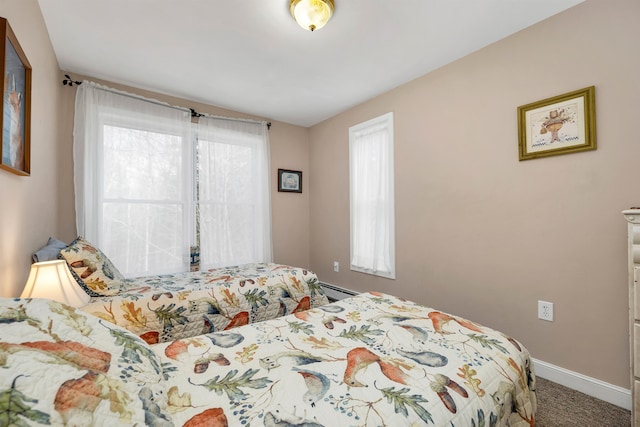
<point x="93" y="271"/>
<point x="49" y="252"/>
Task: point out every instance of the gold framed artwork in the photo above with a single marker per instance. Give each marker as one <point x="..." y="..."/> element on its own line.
<point x="560" y="125"/>
<point x="16" y="105"/>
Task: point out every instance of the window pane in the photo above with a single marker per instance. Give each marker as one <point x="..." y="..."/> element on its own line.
<point x="143" y="212"/>
<point x="226" y="172"/>
<point x="142" y="165"/>
<point x="227" y="182"/>
<point x="144" y="237"/>
<point x="230" y="233"/>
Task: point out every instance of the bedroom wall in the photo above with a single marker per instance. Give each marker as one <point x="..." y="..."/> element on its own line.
<point x="29" y="206"/>
<point x="483" y="235"/>
<point x="289" y="149"/>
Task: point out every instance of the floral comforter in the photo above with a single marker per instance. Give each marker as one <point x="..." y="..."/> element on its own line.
<point x="371" y="360"/>
<point x="168" y="307"/>
<point x="60" y="366"/>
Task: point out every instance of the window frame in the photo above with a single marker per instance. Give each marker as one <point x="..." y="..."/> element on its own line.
<point x="385" y="123"/>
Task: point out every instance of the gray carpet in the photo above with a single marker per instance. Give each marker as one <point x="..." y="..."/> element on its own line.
<point x="559" y="406"/>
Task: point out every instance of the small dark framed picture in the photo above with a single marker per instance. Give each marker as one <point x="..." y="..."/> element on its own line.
<point x="289" y="181"/>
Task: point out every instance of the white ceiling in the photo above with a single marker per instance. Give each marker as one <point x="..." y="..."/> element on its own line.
<point x="250" y="56"/>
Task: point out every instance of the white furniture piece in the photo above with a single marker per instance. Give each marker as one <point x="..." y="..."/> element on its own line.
<point x="633" y="217"/>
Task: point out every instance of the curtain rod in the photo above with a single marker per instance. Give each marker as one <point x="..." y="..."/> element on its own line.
<point x="195" y="114"/>
<point x="69" y="82"/>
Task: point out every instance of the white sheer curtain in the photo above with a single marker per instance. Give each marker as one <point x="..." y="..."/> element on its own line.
<point x="233" y="192"/>
<point x="372" y="197"/>
<point x="133" y="175"/>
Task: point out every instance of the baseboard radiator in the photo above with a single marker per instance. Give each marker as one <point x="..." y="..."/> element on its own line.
<point x="336" y="293"/>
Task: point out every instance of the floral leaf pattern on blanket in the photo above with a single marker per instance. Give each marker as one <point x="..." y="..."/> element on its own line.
<point x="370" y="360"/>
<point x="231" y="383"/>
<point x="401" y="400"/>
<point x="168" y="307"/>
<point x="16" y="407"/>
<point x="60" y="366"/>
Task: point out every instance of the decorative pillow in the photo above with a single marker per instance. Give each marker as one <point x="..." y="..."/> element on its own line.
<point x="61" y="366"/>
<point x="50" y="251"/>
<point x="93" y="271"/>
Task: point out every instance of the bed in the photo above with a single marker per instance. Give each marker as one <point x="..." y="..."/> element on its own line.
<point x="369" y="360"/>
<point x="168" y="307"/>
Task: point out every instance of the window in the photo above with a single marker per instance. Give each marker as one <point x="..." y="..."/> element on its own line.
<point x="145" y="215"/>
<point x="147" y="189"/>
<point x="372" y="199"/>
<point x="234" y="223"/>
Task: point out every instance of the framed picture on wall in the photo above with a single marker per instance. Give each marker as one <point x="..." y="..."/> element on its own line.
<point x="16" y="105"/>
<point x="559" y="125"/>
<point x="289" y="181"/>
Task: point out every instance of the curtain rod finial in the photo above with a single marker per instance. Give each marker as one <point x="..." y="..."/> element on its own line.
<point x="69" y="82"/>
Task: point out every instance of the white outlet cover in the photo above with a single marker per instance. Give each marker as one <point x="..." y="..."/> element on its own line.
<point x="545" y="311"/>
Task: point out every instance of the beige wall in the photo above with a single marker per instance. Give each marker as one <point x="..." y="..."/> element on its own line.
<point x="479" y="233"/>
<point x="290" y="211"/>
<point x="29" y="205"/>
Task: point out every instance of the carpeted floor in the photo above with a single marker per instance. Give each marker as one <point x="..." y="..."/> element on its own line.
<point x="559" y="406"/>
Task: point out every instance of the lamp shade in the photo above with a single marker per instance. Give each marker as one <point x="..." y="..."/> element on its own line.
<point x="311" y="14"/>
<point x="53" y="280"/>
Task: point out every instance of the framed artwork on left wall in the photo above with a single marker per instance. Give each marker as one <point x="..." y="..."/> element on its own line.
<point x="16" y="104"/>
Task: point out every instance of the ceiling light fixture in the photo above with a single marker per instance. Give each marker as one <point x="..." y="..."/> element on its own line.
<point x="311" y="14"/>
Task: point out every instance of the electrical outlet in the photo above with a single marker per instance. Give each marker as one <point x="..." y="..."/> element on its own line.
<point x="545" y="311"/>
<point x="336" y="266"/>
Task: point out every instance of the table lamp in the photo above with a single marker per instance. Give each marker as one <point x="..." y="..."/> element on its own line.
<point x="53" y="280"/>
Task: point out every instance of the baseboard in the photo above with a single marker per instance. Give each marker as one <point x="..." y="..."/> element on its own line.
<point x="593" y="387"/>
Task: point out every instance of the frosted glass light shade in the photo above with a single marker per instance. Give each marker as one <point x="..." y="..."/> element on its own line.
<point x="311" y="14"/>
<point x="53" y="280"/>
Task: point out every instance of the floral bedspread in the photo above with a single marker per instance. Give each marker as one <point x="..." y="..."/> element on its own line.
<point x="370" y="360"/>
<point x="59" y="366"/>
<point x="168" y="307"/>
